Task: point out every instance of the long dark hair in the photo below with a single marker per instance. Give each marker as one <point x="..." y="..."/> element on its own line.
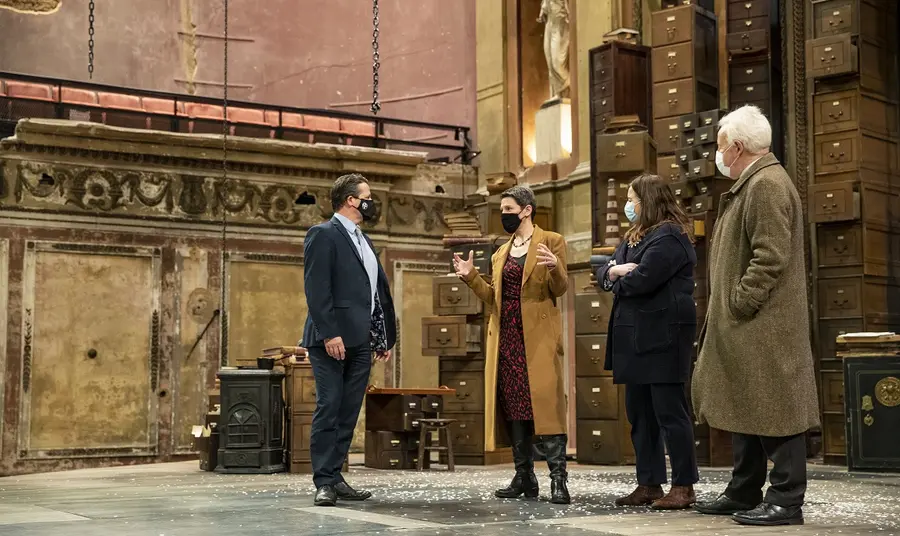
<point x="658" y="206"/>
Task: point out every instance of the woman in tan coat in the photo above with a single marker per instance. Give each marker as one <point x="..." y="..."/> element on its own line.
<point x="524" y="345"/>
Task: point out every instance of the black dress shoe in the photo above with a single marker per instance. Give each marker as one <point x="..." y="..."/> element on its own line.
<point x="770" y="515"/>
<point x="346" y="493"/>
<point x="722" y="506"/>
<point x="325" y="496"/>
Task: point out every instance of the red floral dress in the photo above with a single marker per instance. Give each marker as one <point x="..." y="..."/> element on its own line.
<point x="512" y="370"/>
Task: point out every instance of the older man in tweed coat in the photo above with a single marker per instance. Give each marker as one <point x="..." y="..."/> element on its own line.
<point x="754" y="375"/>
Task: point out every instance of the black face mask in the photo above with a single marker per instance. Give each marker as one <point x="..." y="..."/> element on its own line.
<point x="367" y="209"/>
<point x="511" y="221"/>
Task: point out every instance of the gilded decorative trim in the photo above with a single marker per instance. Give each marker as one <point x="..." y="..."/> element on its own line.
<point x="26" y="352"/>
<point x="887" y="392"/>
<point x="154" y="350"/>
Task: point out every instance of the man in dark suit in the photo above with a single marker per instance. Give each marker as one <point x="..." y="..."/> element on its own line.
<point x="351" y="316"/>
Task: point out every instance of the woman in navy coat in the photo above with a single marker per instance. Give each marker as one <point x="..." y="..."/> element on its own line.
<point x="651" y="336"/>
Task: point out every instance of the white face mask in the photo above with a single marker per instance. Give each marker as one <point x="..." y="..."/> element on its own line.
<point x="720" y="163"/>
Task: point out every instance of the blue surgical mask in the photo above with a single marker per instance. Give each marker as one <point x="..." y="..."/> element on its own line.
<point x="629" y="212"/>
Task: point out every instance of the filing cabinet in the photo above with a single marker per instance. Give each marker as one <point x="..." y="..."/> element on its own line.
<point x="831" y="56"/>
<point x="684" y="96"/>
<point x="851" y="201"/>
<point x="450" y="336"/>
<point x="857" y="248"/>
<point x="393" y="424"/>
<point x="619" y="83"/>
<point x="682" y="60"/>
<point x="667" y="167"/>
<point x="453" y="297"/>
<point x="625" y="152"/>
<point x="481" y="255"/>
<point x="874" y="20"/>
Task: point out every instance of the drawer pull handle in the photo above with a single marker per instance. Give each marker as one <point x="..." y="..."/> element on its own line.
<point x="833" y="23"/>
<point x="462" y="395"/>
<point x="595" y="403"/>
<point x="596" y="318"/>
<point x="748" y="5"/>
<point x="833" y="116"/>
<point x="840" y="249"/>
<point x="602" y="88"/>
<point x="839" y="156"/>
<point x="454" y="299"/>
<point x="597" y="445"/>
<point x="673" y="102"/>
<point x="840" y="304"/>
<point x="672" y="66"/>
<point x="595" y="360"/>
<point x="748" y="23"/>
<point x="443" y="341"/>
<point x="620" y="155"/>
<point x="670" y="32"/>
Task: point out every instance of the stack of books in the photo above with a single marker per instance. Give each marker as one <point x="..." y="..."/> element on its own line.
<point x="462" y="224"/>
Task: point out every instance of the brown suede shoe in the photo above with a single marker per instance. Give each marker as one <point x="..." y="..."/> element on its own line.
<point x="641" y="496"/>
<point x="678" y="498"/>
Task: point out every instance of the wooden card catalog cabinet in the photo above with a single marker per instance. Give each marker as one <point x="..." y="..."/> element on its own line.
<point x="592" y="310"/>
<point x="451" y="296"/>
<point x="450" y="336"/>
<point x="625" y="151"/>
<point x="831" y="56"/>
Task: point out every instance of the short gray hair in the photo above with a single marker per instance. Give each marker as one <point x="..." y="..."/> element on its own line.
<point x="522" y="195"/>
<point x="749" y="126"/>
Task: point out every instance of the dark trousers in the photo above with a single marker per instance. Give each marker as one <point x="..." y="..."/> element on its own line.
<point x="787" y="478"/>
<point x="340" y="389"/>
<point x="660" y="412"/>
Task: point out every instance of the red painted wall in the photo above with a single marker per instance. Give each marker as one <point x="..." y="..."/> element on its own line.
<point x="307" y="53"/>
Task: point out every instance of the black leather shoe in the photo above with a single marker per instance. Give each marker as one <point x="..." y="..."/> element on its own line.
<point x="325" y="496"/>
<point x="770" y="515"/>
<point x="346" y="493"/>
<point x="722" y="506"/>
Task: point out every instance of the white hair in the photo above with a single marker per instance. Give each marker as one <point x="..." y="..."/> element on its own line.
<point x="749" y="126"/>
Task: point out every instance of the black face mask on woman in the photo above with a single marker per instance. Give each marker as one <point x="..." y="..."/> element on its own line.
<point x="511" y="221"/>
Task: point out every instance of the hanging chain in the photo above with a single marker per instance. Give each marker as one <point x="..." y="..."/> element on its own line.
<point x="91" y="39"/>
<point x="223" y="318"/>
<point x="376" y="63"/>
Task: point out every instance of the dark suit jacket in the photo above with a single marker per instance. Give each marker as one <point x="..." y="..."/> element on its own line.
<point x="654" y="318"/>
<point x="338" y="293"/>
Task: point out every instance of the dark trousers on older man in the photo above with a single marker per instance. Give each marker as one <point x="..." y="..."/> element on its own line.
<point x="787" y="478"/>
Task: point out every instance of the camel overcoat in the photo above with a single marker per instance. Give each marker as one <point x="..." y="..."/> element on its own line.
<point x="754" y="374"/>
<point x="542" y="326"/>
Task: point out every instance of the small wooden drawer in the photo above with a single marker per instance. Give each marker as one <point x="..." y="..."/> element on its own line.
<point x="852" y="109"/>
<point x="702" y="203"/>
<point x="389" y="459"/>
<point x="667" y="134"/>
<point x="667" y="167"/>
<point x="592" y="310"/>
<point x="481" y="254"/>
<point x="431" y="404"/>
<point x="603" y="442"/>
<point x="625" y="152"/>
<point x="748" y="9"/>
<point x="832" y="391"/>
<point x="840" y="298"/>
<point x="710" y="118"/>
<point x="603" y="106"/>
<point x="400" y="441"/>
<point x="469" y="391"/>
<point x="670" y="26"/>
<point x="749" y="92"/>
<point x="830" y="330"/>
<point x="872" y="20"/>
<point x="467" y="433"/>
<point x="683" y="189"/>
<point x="831" y="56"/>
<point x="450" y="335"/>
<point x="705" y="151"/>
<point x="747" y="42"/>
<point x="602" y="64"/>
<point x="687" y="123"/>
<point x="683" y="157"/>
<point x="833" y="201"/>
<point x="453" y="297"/>
<point x="834" y="435"/>
<point x="748" y="24"/>
<point x="682" y="97"/>
<point x="705" y="135"/>
<point x="701" y="169"/>
<point x="596" y="398"/>
<point x="673" y="62"/>
<point x="713" y="186"/>
<point x="839" y="244"/>
<point x="751" y="73"/>
<point x="590" y="355"/>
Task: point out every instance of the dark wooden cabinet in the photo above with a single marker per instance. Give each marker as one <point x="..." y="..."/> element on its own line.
<point x="619" y="83"/>
<point x="450" y="336"/>
<point x="633" y="152"/>
<point x="451" y="296"/>
<point x="251" y="422"/>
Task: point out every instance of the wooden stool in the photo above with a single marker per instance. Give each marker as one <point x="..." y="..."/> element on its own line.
<point x="426" y="427"/>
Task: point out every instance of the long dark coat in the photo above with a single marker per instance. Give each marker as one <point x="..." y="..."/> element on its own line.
<point x="654" y="318"/>
<point x="754" y="374"/>
<point x="542" y="323"/>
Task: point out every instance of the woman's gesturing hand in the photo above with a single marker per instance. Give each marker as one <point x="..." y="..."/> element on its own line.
<point x="463" y="267"/>
<point x="545" y="257"/>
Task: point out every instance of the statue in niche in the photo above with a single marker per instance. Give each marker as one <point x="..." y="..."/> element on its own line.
<point x="555" y="16"/>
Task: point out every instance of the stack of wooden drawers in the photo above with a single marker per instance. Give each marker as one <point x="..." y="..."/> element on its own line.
<point x="684" y="70"/>
<point x="619" y="86"/>
<point x="853" y="199"/>
<point x="753" y="43"/>
<point x="603" y="435"/>
<point x="392" y="426"/>
<point x="456" y="336"/>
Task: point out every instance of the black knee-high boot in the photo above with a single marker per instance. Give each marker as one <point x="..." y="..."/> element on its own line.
<point x="555" y="447"/>
<point x="524" y="482"/>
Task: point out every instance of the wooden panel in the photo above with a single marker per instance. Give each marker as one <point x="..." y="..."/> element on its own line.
<point x="255" y="291"/>
<point x="89" y="378"/>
